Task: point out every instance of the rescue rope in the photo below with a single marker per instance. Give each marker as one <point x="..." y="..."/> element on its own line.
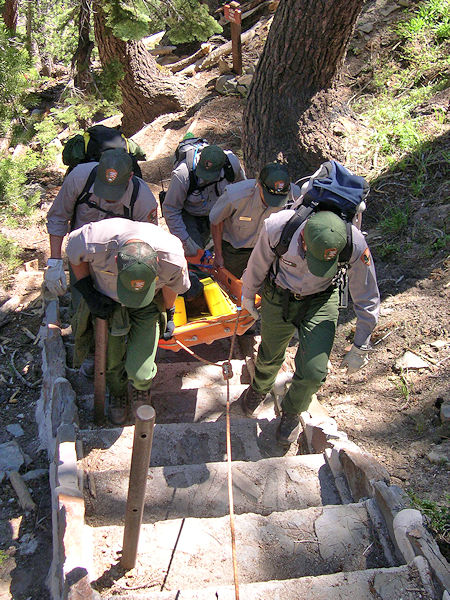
<point x="227" y="373"/>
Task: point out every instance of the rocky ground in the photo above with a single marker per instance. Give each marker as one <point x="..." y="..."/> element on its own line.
<point x="395" y="411"/>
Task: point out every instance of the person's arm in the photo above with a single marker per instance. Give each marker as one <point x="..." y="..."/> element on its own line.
<point x="169" y="296"/>
<point x="174" y="202"/>
<point x="56" y="246"/>
<point x="81" y="270"/>
<point x="258" y="264"/>
<point x="216" y="231"/>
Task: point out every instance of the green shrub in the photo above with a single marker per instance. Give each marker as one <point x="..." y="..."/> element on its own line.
<point x="9" y="254"/>
<point x="14" y="203"/>
<point x="13" y="65"/>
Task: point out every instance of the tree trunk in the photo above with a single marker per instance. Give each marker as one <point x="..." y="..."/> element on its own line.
<point x="146" y="94"/>
<point x="82" y="56"/>
<point x="10" y="11"/>
<point x="30" y="42"/>
<point x="293" y="103"/>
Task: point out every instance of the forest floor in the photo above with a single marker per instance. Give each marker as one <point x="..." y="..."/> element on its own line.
<point x="391" y="411"/>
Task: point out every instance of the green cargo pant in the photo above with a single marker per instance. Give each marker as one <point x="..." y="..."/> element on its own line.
<point x="235" y="259"/>
<point x="132" y="356"/>
<point x="315" y="318"/>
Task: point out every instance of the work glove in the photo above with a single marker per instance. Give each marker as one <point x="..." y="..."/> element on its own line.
<point x="101" y="306"/>
<point x="190" y="247"/>
<point x="355" y="359"/>
<point x="249" y="305"/>
<point x="170" y="327"/>
<point x="55" y="277"/>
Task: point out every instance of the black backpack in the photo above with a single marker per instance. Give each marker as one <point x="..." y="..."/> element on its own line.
<point x="90" y="145"/>
<point x="84" y="198"/>
<point x="336" y="189"/>
<point x="187" y="151"/>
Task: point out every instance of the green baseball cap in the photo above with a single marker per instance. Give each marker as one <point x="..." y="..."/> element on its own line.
<point x="113" y="174"/>
<point x="276" y="182"/>
<point x="325" y="236"/>
<point x="137" y="266"/>
<point x="211" y="162"/>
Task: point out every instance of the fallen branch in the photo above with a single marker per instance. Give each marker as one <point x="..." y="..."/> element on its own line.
<point x="25" y="500"/>
<point x="225" y="49"/>
<point x="185" y="62"/>
<point x="21" y="377"/>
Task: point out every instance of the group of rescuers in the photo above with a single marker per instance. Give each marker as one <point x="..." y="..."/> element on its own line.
<point x="130" y="271"/>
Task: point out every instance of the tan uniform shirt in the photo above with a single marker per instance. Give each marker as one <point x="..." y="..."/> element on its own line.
<point x="199" y="203"/>
<point x="294" y="275"/>
<point x="98" y="244"/>
<point x="62" y="209"/>
<point x="242" y="212"/>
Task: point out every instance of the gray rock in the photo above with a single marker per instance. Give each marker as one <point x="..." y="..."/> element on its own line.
<point x="28" y="544"/>
<point x="366" y="27"/>
<point x="445" y="412"/>
<point x="15" y="429"/>
<point x="440" y="454"/>
<point x="226" y="85"/>
<point x="11" y="456"/>
<point x="35" y="474"/>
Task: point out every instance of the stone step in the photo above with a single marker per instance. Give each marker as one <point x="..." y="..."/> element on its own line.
<point x="193" y="374"/>
<point x="265" y="486"/>
<point x="215" y="352"/>
<point x="286" y="545"/>
<point x="179" y="443"/>
<point x="407" y="582"/>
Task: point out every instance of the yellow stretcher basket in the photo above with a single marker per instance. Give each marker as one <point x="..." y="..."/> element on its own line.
<point x="222" y="321"/>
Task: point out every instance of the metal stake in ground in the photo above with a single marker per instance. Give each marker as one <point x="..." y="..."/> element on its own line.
<point x="140" y="461"/>
<point x="232" y="14"/>
<point x="101" y="343"/>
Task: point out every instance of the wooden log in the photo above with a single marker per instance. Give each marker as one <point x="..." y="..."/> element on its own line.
<point x="162" y="51"/>
<point x="21" y="490"/>
<point x="181" y="64"/>
<point x="7" y="309"/>
<point x="223" y="50"/>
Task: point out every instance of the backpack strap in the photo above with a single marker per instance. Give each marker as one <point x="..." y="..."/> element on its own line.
<point x="194" y="186"/>
<point x="128" y="212"/>
<point x="346" y="254"/>
<point x="287" y="233"/>
<point x="84" y="198"/>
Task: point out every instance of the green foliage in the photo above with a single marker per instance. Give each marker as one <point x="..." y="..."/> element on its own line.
<point x="431" y="22"/>
<point x="56" y="21"/>
<point x="107" y="80"/>
<point x="13" y="176"/>
<point x="187" y="20"/>
<point x="438" y="515"/>
<point x="396" y="220"/>
<point x="13" y="66"/>
<point x="9" y="258"/>
<point x="196" y="24"/>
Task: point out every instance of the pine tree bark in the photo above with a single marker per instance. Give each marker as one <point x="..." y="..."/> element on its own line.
<point x="10" y="13"/>
<point x="81" y="60"/>
<point x="146" y="93"/>
<point x="293" y="102"/>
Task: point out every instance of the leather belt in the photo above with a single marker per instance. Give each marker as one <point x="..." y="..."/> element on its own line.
<point x="295" y="296"/>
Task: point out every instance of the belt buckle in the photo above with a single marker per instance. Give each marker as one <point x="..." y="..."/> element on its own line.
<point x="298" y="296"/>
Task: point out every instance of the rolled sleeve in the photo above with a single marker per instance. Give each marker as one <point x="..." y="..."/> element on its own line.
<point x="76" y="248"/>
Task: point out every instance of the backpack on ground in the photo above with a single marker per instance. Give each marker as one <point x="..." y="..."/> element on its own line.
<point x="187" y="151"/>
<point x="85" y="198"/>
<point x="336" y="189"/>
<point x="90" y="145"/>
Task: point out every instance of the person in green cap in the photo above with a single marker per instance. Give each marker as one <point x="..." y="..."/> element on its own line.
<point x="193" y="191"/>
<point x="237" y="216"/>
<point x="130" y="274"/>
<point x="301" y="293"/>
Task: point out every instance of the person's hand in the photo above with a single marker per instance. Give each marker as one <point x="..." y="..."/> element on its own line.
<point x="191" y="248"/>
<point x="355" y="359"/>
<point x="249" y="305"/>
<point x="55" y="277"/>
<point x="170" y="327"/>
<point x="218" y="261"/>
<point x="101" y="306"/>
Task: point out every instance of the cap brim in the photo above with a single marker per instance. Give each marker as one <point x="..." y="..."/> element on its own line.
<point x="109" y="192"/>
<point x="135" y="299"/>
<point x="207" y="175"/>
<point x="273" y="199"/>
<point x="321" y="268"/>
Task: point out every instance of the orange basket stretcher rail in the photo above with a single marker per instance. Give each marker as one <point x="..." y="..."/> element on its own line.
<point x="211" y="328"/>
